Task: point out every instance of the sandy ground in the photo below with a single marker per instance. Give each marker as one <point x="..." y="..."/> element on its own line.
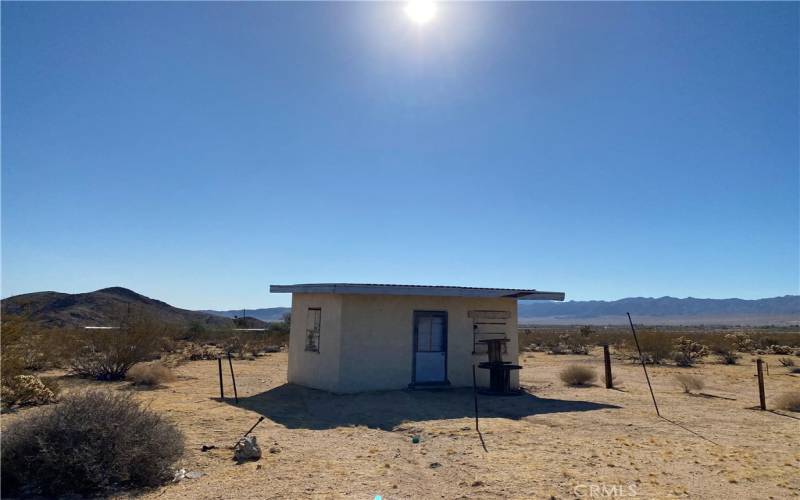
<point x="554" y="441"/>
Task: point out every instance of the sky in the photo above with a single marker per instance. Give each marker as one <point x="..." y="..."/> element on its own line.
<point x="198" y="152"/>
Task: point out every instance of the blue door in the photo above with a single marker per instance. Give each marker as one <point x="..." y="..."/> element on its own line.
<point x="430" y="347"/>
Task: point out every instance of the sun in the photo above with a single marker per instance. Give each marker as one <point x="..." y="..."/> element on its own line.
<point x="421" y="11"/>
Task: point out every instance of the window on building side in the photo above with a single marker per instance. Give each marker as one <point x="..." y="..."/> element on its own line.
<point x="313" y="322"/>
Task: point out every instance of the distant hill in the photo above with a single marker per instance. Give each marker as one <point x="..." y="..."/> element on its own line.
<point x="106" y="307"/>
<point x="665" y="310"/>
<point x="265" y="314"/>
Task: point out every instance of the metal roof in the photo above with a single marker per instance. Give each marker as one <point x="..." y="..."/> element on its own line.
<point x="427" y="290"/>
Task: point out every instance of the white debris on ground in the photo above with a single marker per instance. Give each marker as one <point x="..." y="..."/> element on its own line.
<point x="247" y="449"/>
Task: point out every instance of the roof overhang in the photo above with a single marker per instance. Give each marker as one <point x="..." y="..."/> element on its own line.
<point x="422" y="290"/>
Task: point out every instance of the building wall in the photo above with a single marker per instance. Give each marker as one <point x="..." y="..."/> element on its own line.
<point x="377" y="339"/>
<point x="319" y="370"/>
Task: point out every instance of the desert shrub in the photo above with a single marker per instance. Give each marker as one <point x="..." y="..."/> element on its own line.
<point x="689" y="383"/>
<point x="656" y="347"/>
<point x="28" y="390"/>
<point x="780" y="349"/>
<point x="12" y="362"/>
<point x="740" y="341"/>
<point x="89" y="443"/>
<point x="234" y="344"/>
<point x="194" y="352"/>
<point x="726" y="348"/>
<point x="729" y="357"/>
<point x="153" y="374"/>
<point x="786" y="362"/>
<point x="109" y="354"/>
<point x="577" y="375"/>
<point x="789" y="401"/>
<point x="687" y="351"/>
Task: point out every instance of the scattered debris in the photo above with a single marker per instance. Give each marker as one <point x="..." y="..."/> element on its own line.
<point x="181" y="474"/>
<point x="207" y="447"/>
<point x="477" y="483"/>
<point x="247" y="449"/>
<point x="274" y="449"/>
<point x="415" y="439"/>
<point x="435" y="465"/>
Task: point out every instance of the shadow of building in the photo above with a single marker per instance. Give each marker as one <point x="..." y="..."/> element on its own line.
<point x="298" y="407"/>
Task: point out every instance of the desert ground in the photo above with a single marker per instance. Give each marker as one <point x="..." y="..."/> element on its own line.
<point x="552" y="441"/>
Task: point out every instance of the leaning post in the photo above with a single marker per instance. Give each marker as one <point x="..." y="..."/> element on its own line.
<point x="233" y="377"/>
<point x="607" y="359"/>
<point x="761" y="396"/>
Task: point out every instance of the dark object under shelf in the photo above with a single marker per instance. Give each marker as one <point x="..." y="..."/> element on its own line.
<point x="499" y="370"/>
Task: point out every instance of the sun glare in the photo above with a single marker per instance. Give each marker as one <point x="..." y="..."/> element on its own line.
<point x="421" y="11"/>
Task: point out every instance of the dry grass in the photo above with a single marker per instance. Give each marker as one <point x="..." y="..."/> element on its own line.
<point x="789" y="401"/>
<point x="689" y="383"/>
<point x="153" y="374"/>
<point x="577" y="375"/>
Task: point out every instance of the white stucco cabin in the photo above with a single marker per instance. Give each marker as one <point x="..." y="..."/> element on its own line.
<point x="362" y="337"/>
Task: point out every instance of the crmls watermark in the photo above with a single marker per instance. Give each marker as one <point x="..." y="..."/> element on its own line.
<point x="603" y="490"/>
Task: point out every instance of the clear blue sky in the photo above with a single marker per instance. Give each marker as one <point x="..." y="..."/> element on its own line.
<point x="198" y="152"/>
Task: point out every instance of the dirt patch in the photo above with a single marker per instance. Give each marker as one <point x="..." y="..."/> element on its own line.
<point x="555" y="440"/>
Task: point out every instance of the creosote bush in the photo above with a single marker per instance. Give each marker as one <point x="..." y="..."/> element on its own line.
<point x="577" y="375"/>
<point x="88" y="444"/>
<point x="789" y="401"/>
<point x="656" y="347"/>
<point x="689" y="383"/>
<point x="109" y="354"/>
<point x="154" y="374"/>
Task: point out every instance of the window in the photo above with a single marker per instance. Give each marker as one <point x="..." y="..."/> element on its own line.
<point x="313" y="322"/>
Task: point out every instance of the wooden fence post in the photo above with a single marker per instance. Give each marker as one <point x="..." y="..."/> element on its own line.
<point x="233" y="377"/>
<point x="761" y="397"/>
<point x="607" y="359"/>
<point x="219" y="364"/>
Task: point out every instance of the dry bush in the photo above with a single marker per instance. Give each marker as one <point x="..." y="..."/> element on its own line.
<point x="740" y="341"/>
<point x="789" y="401"/>
<point x="729" y="357"/>
<point x="28" y="390"/>
<point x="154" y="374"/>
<point x="780" y="349"/>
<point x="194" y="352"/>
<point x="88" y="444"/>
<point x="786" y="362"/>
<point x="577" y="375"/>
<point x="726" y="347"/>
<point x="109" y="354"/>
<point x="687" y="351"/>
<point x="12" y="362"/>
<point x="689" y="383"/>
<point x="656" y="347"/>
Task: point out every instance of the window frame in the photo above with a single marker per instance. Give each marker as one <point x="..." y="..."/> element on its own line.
<point x="312" y="336"/>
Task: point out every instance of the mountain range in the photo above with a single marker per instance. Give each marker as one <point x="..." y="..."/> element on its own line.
<point x="108" y="306"/>
<point x="663" y="310"/>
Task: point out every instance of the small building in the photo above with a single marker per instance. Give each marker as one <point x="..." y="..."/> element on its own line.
<point x="361" y="337"/>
